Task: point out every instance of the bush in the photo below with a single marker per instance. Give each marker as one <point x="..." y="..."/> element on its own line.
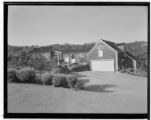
<point x="38" y="78"/>
<point x="72" y="81"/>
<point x="11" y="75"/>
<point x="63" y="80"/>
<point x="46" y="78"/>
<point x="59" y="80"/>
<point x="26" y="75"/>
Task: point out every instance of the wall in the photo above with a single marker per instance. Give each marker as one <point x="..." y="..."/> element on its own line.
<point x="108" y="53"/>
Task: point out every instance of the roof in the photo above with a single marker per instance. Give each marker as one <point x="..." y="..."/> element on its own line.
<point x="120" y="44"/>
<point x="130" y="55"/>
<point x="114" y="45"/>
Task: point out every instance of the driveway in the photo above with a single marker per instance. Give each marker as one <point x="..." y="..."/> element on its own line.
<point x="116" y="82"/>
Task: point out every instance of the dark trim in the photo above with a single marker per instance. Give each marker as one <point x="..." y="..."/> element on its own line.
<point x="81" y="3"/>
<point x="78" y="115"/>
<point x="5" y="8"/>
<point x="73" y="115"/>
<point x="148" y="63"/>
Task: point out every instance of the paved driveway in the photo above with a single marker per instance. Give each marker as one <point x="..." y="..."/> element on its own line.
<point x="116" y="82"/>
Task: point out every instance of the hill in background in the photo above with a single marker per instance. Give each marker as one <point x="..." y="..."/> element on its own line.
<point x="137" y="49"/>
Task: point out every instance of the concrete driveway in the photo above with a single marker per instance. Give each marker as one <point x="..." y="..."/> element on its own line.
<point x="116" y="82"/>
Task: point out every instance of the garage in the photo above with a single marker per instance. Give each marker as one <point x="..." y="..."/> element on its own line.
<point x="102" y="65"/>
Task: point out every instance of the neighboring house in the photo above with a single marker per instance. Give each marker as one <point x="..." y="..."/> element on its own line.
<point x="108" y="56"/>
<point x="52" y="56"/>
<point x="75" y="57"/>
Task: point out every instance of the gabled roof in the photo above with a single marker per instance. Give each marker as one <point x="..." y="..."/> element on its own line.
<point x="130" y="55"/>
<point x="114" y="45"/>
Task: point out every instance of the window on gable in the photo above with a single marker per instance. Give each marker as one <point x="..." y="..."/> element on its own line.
<point x="100" y="53"/>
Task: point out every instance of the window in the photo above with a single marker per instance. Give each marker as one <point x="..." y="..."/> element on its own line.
<point x="100" y="53"/>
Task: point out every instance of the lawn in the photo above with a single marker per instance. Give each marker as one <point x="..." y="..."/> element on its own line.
<point x="103" y="93"/>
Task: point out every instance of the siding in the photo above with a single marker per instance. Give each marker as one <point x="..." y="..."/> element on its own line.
<point x="108" y="53"/>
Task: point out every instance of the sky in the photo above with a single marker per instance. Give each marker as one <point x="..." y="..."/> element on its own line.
<point x="46" y="25"/>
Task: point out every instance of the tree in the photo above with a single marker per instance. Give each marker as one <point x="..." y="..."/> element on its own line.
<point x="38" y="62"/>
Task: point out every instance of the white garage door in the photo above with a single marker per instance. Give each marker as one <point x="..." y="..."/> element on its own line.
<point x="102" y="65"/>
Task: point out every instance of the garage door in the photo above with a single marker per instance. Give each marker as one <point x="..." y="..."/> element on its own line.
<point x="102" y="65"/>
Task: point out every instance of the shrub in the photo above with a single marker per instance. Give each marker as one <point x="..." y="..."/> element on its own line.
<point x="63" y="80"/>
<point x="59" y="80"/>
<point x="26" y="75"/>
<point x="72" y="81"/>
<point x="11" y="75"/>
<point x="46" y="78"/>
<point x="38" y="78"/>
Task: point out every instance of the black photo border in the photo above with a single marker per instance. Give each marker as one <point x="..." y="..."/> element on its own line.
<point x="72" y="115"/>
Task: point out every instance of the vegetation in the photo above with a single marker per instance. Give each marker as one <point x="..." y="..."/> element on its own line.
<point x="137" y="49"/>
<point x="46" y="78"/>
<point x="59" y="80"/>
<point x="63" y="80"/>
<point x="26" y="75"/>
<point x="72" y="81"/>
<point x="11" y="75"/>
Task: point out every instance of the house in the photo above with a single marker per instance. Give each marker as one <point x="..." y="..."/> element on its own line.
<point x="75" y="57"/>
<point x="52" y="56"/>
<point x="109" y="56"/>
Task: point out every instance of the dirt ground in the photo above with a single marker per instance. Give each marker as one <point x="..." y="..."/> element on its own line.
<point x="106" y="92"/>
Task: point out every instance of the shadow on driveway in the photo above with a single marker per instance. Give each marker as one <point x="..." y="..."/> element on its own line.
<point x="99" y="88"/>
<point x="92" y="88"/>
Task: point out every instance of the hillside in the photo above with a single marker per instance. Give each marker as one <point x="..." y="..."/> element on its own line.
<point x="137" y="49"/>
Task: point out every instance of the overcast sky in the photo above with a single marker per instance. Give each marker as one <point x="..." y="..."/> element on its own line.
<point x="45" y="25"/>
